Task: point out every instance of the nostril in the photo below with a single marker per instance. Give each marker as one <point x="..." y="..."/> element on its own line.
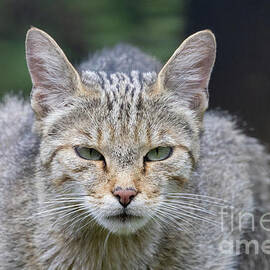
<point x="124" y="196"/>
<point x="118" y="197"/>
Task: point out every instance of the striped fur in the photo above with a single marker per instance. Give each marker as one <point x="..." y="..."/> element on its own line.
<point x="58" y="211"/>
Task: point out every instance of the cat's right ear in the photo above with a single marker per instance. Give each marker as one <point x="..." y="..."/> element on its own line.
<point x="187" y="73"/>
<point x="54" y="79"/>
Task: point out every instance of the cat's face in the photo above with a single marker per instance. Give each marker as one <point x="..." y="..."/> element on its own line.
<point x="118" y="145"/>
<point x="123" y="132"/>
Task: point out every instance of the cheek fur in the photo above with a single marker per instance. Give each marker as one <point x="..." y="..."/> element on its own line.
<point x="176" y="168"/>
<point x="66" y="165"/>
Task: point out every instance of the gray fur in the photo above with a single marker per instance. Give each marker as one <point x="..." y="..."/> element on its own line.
<point x="122" y="58"/>
<point x="229" y="166"/>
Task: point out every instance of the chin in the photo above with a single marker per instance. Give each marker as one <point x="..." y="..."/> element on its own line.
<point x="123" y="224"/>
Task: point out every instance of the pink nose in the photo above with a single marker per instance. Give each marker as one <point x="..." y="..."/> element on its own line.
<point x="124" y="196"/>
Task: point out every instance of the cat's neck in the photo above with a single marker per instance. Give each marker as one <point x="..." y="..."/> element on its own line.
<point x="100" y="249"/>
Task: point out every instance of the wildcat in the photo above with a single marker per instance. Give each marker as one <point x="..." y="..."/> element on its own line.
<point x="117" y="166"/>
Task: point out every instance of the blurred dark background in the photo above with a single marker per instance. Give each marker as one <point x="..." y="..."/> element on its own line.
<point x="241" y="79"/>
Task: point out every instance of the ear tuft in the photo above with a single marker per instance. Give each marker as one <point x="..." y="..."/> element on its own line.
<point x="53" y="77"/>
<point x="187" y="73"/>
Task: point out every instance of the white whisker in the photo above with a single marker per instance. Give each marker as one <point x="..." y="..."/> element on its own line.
<point x="190" y="206"/>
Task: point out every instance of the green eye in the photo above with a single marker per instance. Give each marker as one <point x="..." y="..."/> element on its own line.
<point x="88" y="153"/>
<point x="159" y="153"/>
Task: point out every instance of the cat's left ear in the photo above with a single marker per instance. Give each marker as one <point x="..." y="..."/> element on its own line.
<point x="53" y="77"/>
<point x="188" y="71"/>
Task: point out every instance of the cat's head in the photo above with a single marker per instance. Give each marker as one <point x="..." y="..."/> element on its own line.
<point x="114" y="147"/>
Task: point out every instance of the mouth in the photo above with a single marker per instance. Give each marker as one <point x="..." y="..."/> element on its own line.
<point x="123" y="222"/>
<point x="124" y="217"/>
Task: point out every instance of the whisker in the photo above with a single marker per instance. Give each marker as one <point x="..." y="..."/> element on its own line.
<point x="164" y="221"/>
<point x="197" y="196"/>
<point x="71" y="195"/>
<point x="186" y="213"/>
<point x="190" y="206"/>
<point x="78" y="220"/>
<point x="177" y="217"/>
<point x="193" y="216"/>
<point x="173" y="219"/>
<point x="94" y="218"/>
<point x="63" y="203"/>
<point x="65" y="199"/>
<point x="56" y="209"/>
<point x="74" y="211"/>
<point x="154" y="218"/>
<point x="202" y="200"/>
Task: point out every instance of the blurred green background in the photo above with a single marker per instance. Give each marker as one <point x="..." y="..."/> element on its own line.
<point x="82" y="27"/>
<point x="241" y="78"/>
